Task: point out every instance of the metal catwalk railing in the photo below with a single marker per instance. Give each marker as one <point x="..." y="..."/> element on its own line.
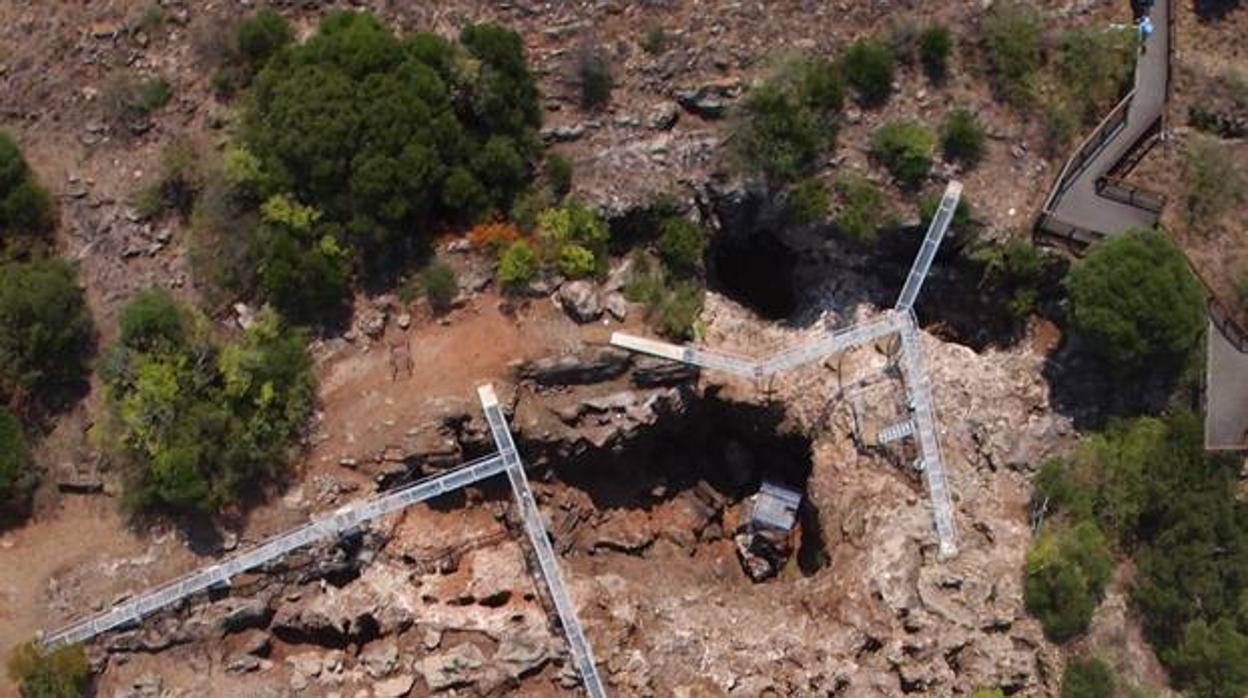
<point x="219" y="574"/>
<point x="924" y="412"/>
<point x="931" y="243"/>
<point x="582" y="655"/>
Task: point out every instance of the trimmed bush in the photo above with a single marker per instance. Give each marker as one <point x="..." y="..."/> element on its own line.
<point x="905" y="149"/>
<point x="1013" y="36"/>
<point x="869" y="66"/>
<point x="681" y="244"/>
<point x="58" y="673"/>
<point x="1137" y="303"/>
<point x="517" y="267"/>
<point x="935" y="45"/>
<point x="962" y="137"/>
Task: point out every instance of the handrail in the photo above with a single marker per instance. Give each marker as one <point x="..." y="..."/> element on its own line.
<point x="1090" y="148"/>
<point x="1118" y="190"/>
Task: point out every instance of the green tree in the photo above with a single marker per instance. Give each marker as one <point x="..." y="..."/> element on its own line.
<point x="962" y="137"/>
<point x="1066" y="573"/>
<point x="681" y="244"/>
<point x="45" y="329"/>
<point x="860" y="212"/>
<point x="152" y="318"/>
<point x="789" y="120"/>
<point x="905" y="148"/>
<point x="869" y="66"/>
<point x="59" y="673"/>
<point x="1012" y="273"/>
<point x="25" y="206"/>
<point x="1088" y="678"/>
<point x="440" y="286"/>
<point x="808" y="201"/>
<point x="517" y="267"/>
<point x="304" y="267"/>
<point x="17" y="476"/>
<point x="386" y="135"/>
<point x="935" y="45"/>
<point x="1013" y="37"/>
<point x="1212" y="660"/>
<point x="1135" y="300"/>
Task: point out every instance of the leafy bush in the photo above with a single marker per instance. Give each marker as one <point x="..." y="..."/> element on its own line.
<point x="988" y="693"/>
<point x="200" y="424"/>
<point x="1212" y="659"/>
<point x="1095" y="69"/>
<point x="808" y="202"/>
<point x="45" y="330"/>
<point x="575" y="262"/>
<point x="17" y="476"/>
<point x="559" y="174"/>
<point x="127" y="100"/>
<point x="868" y="66"/>
<point x="861" y="204"/>
<point x="1136" y="302"/>
<point x="962" y="137"/>
<point x="25" y="207"/>
<point x="935" y="45"/>
<point x="1214" y="182"/>
<point x="1060" y="123"/>
<point x="574" y="225"/>
<point x="387" y="135"/>
<point x="1013" y="36"/>
<point x="152" y="319"/>
<point x="517" y="267"/>
<point x="58" y="673"/>
<point x="154" y="93"/>
<point x="593" y="74"/>
<point x="1088" y="678"/>
<point x="905" y="148"/>
<point x="1012" y="273"/>
<point x="262" y="35"/>
<point x="786" y="122"/>
<point x="681" y="244"/>
<point x="1066" y="573"/>
<point x="440" y="286"/>
<point x="672" y="308"/>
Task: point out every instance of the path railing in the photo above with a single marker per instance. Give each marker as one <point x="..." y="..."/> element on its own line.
<point x="1123" y="193"/>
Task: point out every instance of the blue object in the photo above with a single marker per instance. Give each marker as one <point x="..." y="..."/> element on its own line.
<point x="1146" y="27"/>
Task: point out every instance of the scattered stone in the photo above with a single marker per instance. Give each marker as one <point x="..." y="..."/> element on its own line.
<point x="145" y="686"/>
<point x="404" y="321"/>
<point x="563" y="134"/>
<point x="431" y="638"/>
<point x="380" y="659"/>
<point x="457" y="667"/>
<point x="397" y="687"/>
<point x="522" y="653"/>
<point x="244" y="315"/>
<point x="664" y="117"/>
<point x="580" y="300"/>
<point x="617" y="306"/>
<point x="709" y="101"/>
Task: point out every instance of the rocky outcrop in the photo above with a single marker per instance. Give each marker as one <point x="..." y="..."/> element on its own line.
<point x="590" y="366"/>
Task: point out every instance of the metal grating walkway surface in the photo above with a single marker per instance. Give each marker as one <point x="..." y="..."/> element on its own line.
<point x="219" y="574"/>
<point x="582" y="655"/>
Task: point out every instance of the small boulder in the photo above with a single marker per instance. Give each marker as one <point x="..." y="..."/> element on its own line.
<point x="580" y="300"/>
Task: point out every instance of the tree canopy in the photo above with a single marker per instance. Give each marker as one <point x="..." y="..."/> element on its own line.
<point x="385" y="134"/>
<point x="25" y="206"/>
<point x="45" y="330"/>
<point x="1135" y="300"/>
<point x="16" y="475"/>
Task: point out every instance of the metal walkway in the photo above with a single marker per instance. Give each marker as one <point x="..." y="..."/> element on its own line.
<point x="897" y="320"/>
<point x="582" y="655"/>
<point x="219" y="574"/>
